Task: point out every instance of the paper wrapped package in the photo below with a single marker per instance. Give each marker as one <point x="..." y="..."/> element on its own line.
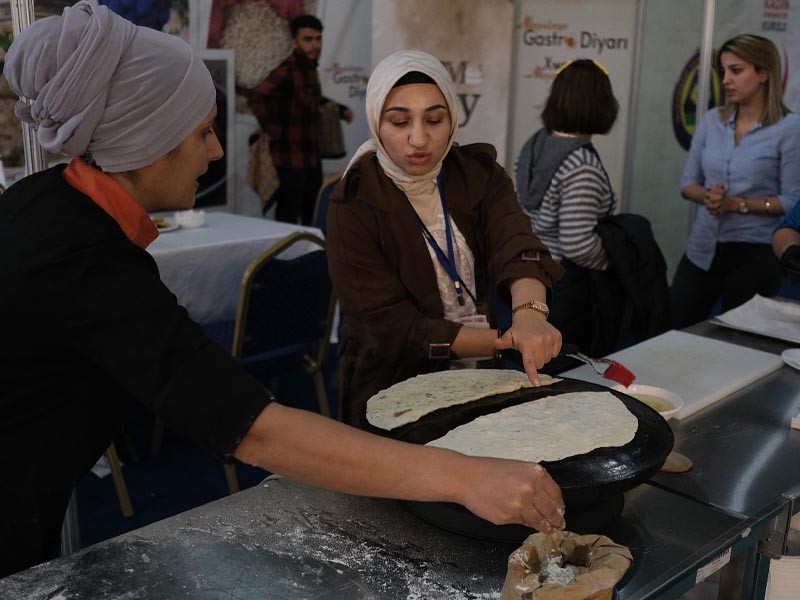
<point x="565" y="566"/>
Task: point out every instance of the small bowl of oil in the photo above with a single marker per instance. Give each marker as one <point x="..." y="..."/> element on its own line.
<point x="665" y="402"/>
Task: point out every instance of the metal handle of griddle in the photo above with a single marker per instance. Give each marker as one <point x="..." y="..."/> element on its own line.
<point x="600" y="365"/>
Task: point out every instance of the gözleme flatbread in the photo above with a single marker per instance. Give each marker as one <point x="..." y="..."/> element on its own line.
<point x="547" y="429"/>
<point x="407" y="401"/>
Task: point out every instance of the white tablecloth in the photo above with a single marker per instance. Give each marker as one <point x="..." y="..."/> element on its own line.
<point x="203" y="267"/>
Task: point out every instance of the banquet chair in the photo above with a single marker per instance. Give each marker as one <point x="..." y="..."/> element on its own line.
<point x="320" y="220"/>
<point x="112" y="459"/>
<point x="284" y="317"/>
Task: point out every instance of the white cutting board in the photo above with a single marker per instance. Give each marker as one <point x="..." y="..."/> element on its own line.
<point x="700" y="370"/>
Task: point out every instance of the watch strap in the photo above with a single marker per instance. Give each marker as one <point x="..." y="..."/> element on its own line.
<point x="533" y="305"/>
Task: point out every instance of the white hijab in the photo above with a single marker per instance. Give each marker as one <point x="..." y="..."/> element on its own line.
<point x="421" y="190"/>
<point x="383" y="78"/>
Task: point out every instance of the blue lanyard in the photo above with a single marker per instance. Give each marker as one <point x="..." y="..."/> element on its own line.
<point x="447" y="262"/>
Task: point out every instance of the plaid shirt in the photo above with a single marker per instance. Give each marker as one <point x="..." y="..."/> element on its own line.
<point x="286" y="105"/>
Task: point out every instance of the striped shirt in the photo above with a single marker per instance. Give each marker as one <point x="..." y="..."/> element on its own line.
<point x="578" y="196"/>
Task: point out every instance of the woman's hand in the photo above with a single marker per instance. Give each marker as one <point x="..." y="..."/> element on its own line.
<point x="714" y="199"/>
<point x="536" y="339"/>
<point x="730" y="204"/>
<point x="307" y="447"/>
<point x="512" y="491"/>
<point x="790" y="263"/>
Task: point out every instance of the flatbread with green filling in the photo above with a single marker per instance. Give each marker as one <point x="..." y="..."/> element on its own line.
<point x="408" y="401"/>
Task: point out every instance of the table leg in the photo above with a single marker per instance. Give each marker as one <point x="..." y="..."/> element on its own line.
<point x="70" y="530"/>
<point x="760" y="574"/>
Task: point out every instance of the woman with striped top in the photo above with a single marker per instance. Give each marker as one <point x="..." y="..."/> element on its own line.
<point x="564" y="189"/>
<point x="578" y="196"/>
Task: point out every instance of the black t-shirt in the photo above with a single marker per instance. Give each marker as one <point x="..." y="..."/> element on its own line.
<point x="87" y="322"/>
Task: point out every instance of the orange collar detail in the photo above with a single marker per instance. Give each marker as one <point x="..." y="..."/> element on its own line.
<point x="132" y="218"/>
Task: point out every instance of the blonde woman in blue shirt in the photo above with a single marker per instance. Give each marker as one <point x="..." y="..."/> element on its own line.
<point x="743" y="169"/>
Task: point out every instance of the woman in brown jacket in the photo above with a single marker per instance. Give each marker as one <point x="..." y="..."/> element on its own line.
<point x="407" y="307"/>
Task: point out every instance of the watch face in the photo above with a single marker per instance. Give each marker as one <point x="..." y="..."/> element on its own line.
<point x="743" y="207"/>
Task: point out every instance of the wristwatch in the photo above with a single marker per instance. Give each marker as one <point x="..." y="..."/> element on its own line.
<point x="534" y="305"/>
<point x="743" y="208"/>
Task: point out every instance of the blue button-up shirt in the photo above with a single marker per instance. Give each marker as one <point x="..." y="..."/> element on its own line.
<point x="765" y="163"/>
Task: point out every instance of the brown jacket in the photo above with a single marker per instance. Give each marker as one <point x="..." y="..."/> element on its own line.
<point x="384" y="278"/>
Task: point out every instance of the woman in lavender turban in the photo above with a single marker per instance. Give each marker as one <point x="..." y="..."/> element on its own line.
<point x="87" y="322"/>
<point x="127" y="95"/>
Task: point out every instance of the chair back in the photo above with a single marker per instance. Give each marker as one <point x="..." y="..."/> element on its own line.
<point x="323" y="199"/>
<point x="286" y="303"/>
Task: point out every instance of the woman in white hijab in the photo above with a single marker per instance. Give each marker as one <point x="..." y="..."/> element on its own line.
<point x="87" y="322"/>
<point x="414" y="228"/>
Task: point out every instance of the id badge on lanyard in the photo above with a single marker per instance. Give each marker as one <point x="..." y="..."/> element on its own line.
<point x="448" y="261"/>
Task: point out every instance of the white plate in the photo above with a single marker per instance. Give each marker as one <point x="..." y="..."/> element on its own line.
<point x="168" y="227"/>
<point x="651" y="390"/>
<point x="791" y="357"/>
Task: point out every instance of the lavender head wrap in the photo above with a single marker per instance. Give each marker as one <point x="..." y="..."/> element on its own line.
<point x="100" y="84"/>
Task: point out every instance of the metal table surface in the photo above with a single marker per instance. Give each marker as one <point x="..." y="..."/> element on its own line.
<point x="288" y="540"/>
<point x="284" y="539"/>
<point x="745" y="453"/>
<point x="671" y="538"/>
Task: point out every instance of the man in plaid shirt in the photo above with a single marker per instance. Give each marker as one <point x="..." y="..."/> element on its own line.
<point x="286" y="105"/>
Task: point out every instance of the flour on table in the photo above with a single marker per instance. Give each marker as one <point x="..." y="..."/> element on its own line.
<point x="408" y="401"/>
<point x="547" y="429"/>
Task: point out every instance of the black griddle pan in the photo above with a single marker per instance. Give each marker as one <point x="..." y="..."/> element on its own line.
<point x="592" y="484"/>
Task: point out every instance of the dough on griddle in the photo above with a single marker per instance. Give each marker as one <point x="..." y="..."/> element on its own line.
<point x="407" y="401"/>
<point x="547" y="429"/>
